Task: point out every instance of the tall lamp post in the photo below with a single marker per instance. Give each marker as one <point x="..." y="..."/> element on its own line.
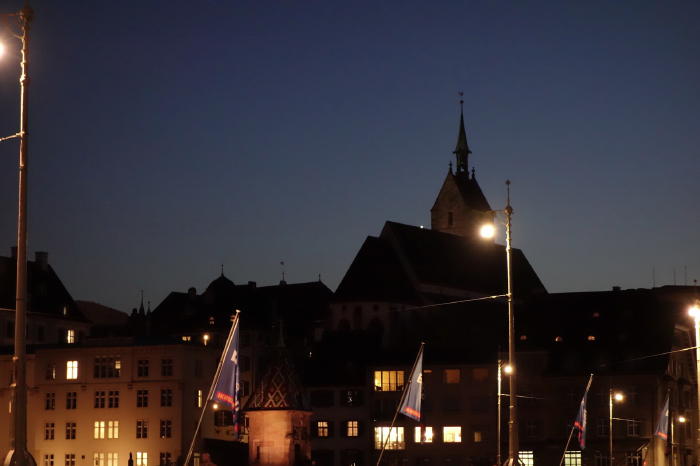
<point x="694" y="312"/>
<point x="613" y="396"/>
<point x="18" y="455"/>
<point x="488" y="231"/>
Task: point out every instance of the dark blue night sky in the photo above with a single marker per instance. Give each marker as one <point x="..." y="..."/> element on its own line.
<point x="170" y="137"/>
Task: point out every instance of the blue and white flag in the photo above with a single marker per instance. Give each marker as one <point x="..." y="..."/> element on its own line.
<point x="227" y="385"/>
<point x="582" y="416"/>
<point x="412" y="399"/>
<point x="662" y="425"/>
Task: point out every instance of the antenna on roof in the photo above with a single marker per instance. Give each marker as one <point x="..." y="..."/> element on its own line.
<point x="653" y="276"/>
<point x="222" y="270"/>
<point x="283" y="270"/>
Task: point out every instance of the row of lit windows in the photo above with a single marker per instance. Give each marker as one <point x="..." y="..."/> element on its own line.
<point x="574" y="458"/>
<point x="108" y="429"/>
<point x="393" y="438"/>
<point x="109" y="367"/>
<point x="389" y="381"/>
<point x="109" y="459"/>
<point x="324" y="429"/>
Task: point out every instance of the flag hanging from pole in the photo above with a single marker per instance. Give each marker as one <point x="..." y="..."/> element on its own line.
<point x="662" y="425"/>
<point x="582" y="417"/>
<point x="411" y="402"/>
<point x="227" y="386"/>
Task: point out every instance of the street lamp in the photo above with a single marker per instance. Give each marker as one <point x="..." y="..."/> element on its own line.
<point x="18" y="455"/>
<point x="614" y="396"/>
<point x="487" y="231"/>
<point x="681" y="420"/>
<point x="694" y="312"/>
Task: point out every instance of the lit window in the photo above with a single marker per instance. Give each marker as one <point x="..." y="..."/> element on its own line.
<point x="452" y="434"/>
<point x="572" y="458"/>
<point x="393" y="438"/>
<point x="141" y="458"/>
<point x="352" y="428"/>
<point x="112" y="429"/>
<point x="100" y="427"/>
<point x="322" y="429"/>
<point x="199" y="398"/>
<point x="186" y="338"/>
<point x="71" y="370"/>
<point x="98" y="459"/>
<point x="527" y="458"/>
<point x="423" y="435"/>
<point x="113" y="459"/>
<point x="591" y="337"/>
<point x="523" y="337"/>
<point x="70" y="336"/>
<point x="388" y="381"/>
<point x="478" y="437"/>
<point x="452" y="375"/>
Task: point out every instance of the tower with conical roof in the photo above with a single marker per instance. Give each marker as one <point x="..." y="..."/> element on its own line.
<point x="460" y="207"/>
<point x="278" y="414"/>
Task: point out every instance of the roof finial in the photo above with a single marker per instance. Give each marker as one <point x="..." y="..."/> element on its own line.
<point x="462" y="149"/>
<point x="282" y="282"/>
<point x="222" y="270"/>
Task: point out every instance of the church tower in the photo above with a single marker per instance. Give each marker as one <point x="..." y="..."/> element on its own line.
<point x="460" y="207"/>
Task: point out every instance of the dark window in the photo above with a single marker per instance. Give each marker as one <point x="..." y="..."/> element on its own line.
<point x="49" y="431"/>
<point x="165" y="458"/>
<point x="142" y="368"/>
<point x="223" y="417"/>
<point x="166" y="428"/>
<point x="50" y="371"/>
<point x="351" y="397"/>
<point x="70" y="459"/>
<point x="141" y="429"/>
<point x="322" y="398"/>
<point x="107" y="367"/>
<point x="71" y="400"/>
<point x="142" y="398"/>
<point x="166" y="397"/>
<point x="50" y="401"/>
<point x="113" y="400"/>
<point x="166" y="367"/>
<point x="70" y="430"/>
<point x="100" y="397"/>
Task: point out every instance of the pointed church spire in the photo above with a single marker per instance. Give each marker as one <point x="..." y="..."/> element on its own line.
<point x="141" y="310"/>
<point x="462" y="149"/>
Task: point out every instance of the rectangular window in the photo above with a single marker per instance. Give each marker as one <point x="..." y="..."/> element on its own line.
<point x="633" y="458"/>
<point x="113" y="459"/>
<point x="107" y="367"/>
<point x="527" y="457"/>
<point x="423" y="435"/>
<point x="50" y="402"/>
<point x="166" y="428"/>
<point x="142" y="398"/>
<point x="322" y="429"/>
<point x="100" y="397"/>
<point x="112" y="429"/>
<point x="393" y="437"/>
<point x="478" y="436"/>
<point x="351" y="398"/>
<point x="48" y="460"/>
<point x="452" y="434"/>
<point x="71" y="400"/>
<point x="70" y="336"/>
<point x="633" y="428"/>
<point x="113" y="400"/>
<point x="600" y="460"/>
<point x="72" y="372"/>
<point x="388" y="381"/>
<point x="100" y="429"/>
<point x="352" y="428"/>
<point x="601" y="427"/>
<point x="223" y="417"/>
<point x="199" y="398"/>
<point x="165" y="458"/>
<point x="141" y="458"/>
<point x="70" y="459"/>
<point x="452" y="376"/>
<point x="166" y="397"/>
<point x="166" y="367"/>
<point x="142" y="368"/>
<point x="70" y="430"/>
<point x="49" y="431"/>
<point x="141" y="429"/>
<point x="98" y="459"/>
<point x="572" y="458"/>
<point x="50" y="371"/>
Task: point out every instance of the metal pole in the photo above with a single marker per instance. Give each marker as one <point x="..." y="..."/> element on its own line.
<point x="498" y="422"/>
<point x="673" y="441"/>
<point x="513" y="408"/>
<point x="697" y="382"/>
<point x="19" y="456"/>
<point x="610" y="426"/>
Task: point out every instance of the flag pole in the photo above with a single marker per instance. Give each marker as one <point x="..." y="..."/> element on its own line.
<point x="571" y="433"/>
<point x="211" y="387"/>
<point x="398" y="407"/>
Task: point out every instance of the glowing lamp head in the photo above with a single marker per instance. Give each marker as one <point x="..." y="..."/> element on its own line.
<point x="215" y="406"/>
<point x="508" y="369"/>
<point x="617" y="396"/>
<point x="487" y="231"/>
<point x="694" y="311"/>
<point x="2" y="49"/>
<point x="681" y="419"/>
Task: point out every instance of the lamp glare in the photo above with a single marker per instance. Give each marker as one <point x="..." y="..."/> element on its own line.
<point x="487" y="231"/>
<point x="619" y="396"/>
<point x="694" y="311"/>
<point x="2" y="49"/>
<point x="508" y="369"/>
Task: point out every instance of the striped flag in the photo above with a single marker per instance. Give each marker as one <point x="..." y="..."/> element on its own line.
<point x="662" y="425"/>
<point x="412" y="400"/>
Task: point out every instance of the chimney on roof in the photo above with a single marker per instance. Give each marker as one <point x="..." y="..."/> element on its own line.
<point x="616" y="288"/>
<point x="192" y="292"/>
<point x="42" y="260"/>
<point x="13" y="252"/>
<point x="252" y="284"/>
